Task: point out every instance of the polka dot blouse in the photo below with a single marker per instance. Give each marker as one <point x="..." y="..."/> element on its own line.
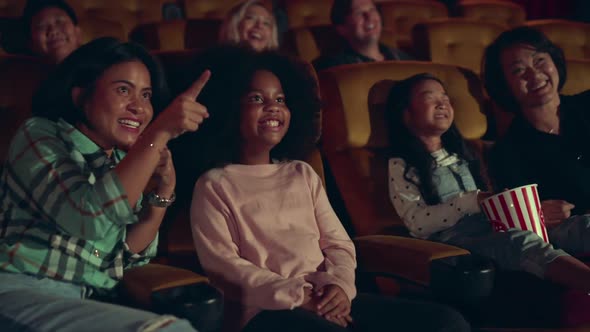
<point x="421" y="219"/>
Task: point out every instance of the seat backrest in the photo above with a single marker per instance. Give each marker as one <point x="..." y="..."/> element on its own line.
<point x="495" y="11"/>
<point x="389" y="38"/>
<point x="128" y="13"/>
<point x="305" y="13"/>
<point x="354" y="136"/>
<point x="401" y="15"/>
<point x="309" y="43"/>
<point x="572" y="37"/>
<point x="18" y="81"/>
<point x="164" y="36"/>
<point x="95" y="27"/>
<point x="578" y="72"/>
<point x="213" y="9"/>
<point x="201" y="34"/>
<point x="178" y="34"/>
<point x="454" y="41"/>
<point x="11" y="8"/>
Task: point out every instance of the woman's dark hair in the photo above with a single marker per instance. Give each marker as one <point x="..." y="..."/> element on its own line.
<point x="340" y="9"/>
<point x="53" y="99"/>
<point x="218" y="140"/>
<point x="493" y="73"/>
<point x="404" y="144"/>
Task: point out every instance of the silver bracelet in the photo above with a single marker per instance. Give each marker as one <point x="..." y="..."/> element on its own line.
<point x="159" y="201"/>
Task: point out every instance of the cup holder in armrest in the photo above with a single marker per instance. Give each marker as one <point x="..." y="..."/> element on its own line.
<point x="464" y="279"/>
<point x="200" y="303"/>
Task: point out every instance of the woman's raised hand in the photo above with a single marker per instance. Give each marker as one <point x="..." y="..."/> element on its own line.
<point x="150" y="152"/>
<point x="164" y="174"/>
<point x="184" y="113"/>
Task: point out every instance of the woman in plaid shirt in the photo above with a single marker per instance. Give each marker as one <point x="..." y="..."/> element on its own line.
<point x="71" y="213"/>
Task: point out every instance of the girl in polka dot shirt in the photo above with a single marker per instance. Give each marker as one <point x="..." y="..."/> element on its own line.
<point x="434" y="182"/>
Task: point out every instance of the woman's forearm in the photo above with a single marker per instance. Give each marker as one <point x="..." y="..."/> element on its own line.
<point x="141" y="234"/>
<point x="136" y="169"/>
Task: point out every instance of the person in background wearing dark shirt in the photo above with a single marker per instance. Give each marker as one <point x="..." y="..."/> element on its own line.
<point x="51" y="29"/>
<point x="547" y="142"/>
<point x="359" y="23"/>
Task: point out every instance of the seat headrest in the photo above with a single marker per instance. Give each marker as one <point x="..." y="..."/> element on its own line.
<point x="354" y="100"/>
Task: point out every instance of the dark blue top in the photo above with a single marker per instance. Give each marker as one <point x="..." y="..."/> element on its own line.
<point x="559" y="164"/>
<point x="348" y="55"/>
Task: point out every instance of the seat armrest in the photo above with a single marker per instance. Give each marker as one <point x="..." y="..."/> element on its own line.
<point x="140" y="282"/>
<point x="401" y="257"/>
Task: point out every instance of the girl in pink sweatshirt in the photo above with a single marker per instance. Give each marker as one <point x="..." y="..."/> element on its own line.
<point x="262" y="224"/>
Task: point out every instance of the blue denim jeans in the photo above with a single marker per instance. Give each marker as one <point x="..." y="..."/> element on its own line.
<point x="511" y="250"/>
<point x="369" y="313"/>
<point x="514" y="249"/>
<point x="31" y="304"/>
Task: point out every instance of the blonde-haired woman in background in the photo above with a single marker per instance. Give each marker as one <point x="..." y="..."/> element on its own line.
<point x="251" y="23"/>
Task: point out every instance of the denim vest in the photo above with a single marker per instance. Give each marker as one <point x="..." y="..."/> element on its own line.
<point x="449" y="181"/>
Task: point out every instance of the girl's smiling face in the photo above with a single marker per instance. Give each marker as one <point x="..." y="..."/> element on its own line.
<point x="430" y="112"/>
<point x="264" y="114"/>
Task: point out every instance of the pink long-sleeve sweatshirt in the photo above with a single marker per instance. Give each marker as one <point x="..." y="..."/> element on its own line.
<point x="263" y="233"/>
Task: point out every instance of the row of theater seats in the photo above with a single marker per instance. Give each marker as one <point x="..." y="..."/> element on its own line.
<point x="398" y="15"/>
<point x="402" y="16"/>
<point x="423" y="28"/>
<point x="461" y="42"/>
<point x="353" y="135"/>
<point x="455" y="41"/>
<point x="130" y="13"/>
<point x="354" y="146"/>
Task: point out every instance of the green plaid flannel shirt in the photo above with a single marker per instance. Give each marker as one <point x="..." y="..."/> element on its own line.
<point x="63" y="212"/>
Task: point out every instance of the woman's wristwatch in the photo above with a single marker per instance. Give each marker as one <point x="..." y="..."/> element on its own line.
<point x="159" y="201"/>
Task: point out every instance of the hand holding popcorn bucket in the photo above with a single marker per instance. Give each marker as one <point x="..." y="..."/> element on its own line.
<point x="516" y="208"/>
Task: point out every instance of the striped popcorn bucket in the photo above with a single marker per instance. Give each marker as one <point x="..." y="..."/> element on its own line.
<point x="516" y="208"/>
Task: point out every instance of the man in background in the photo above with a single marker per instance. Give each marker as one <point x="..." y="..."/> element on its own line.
<point x="359" y="23"/>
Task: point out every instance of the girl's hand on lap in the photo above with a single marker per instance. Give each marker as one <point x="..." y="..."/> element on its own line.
<point x="334" y="305"/>
<point x="312" y="300"/>
<point x="307" y="297"/>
